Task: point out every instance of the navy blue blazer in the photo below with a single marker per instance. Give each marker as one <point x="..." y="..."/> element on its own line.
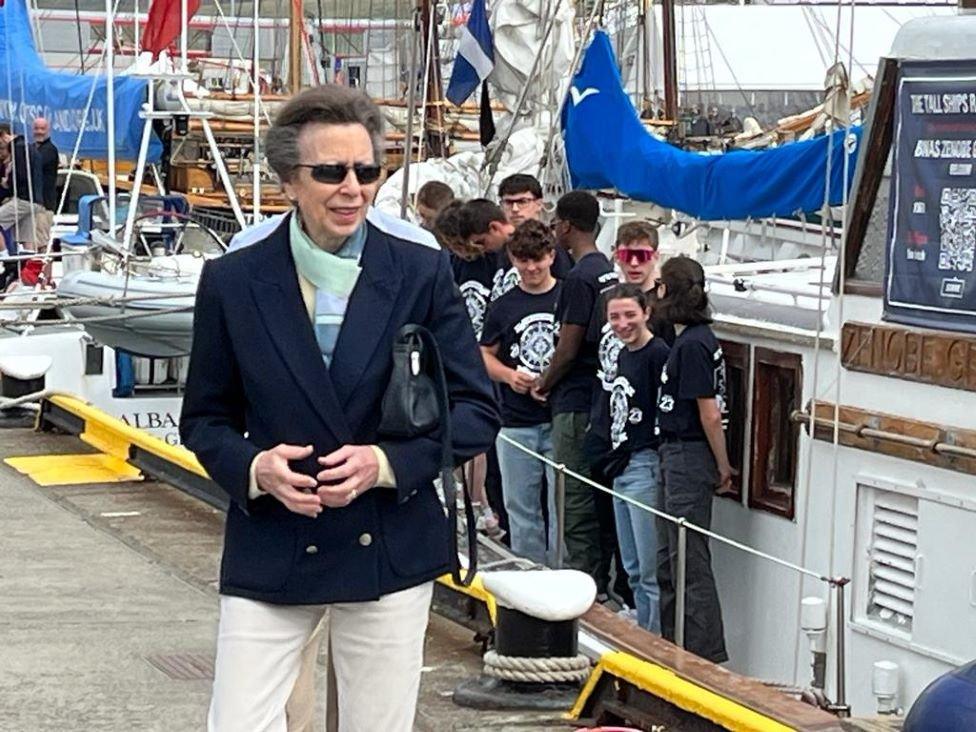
<point x="257" y="378"/>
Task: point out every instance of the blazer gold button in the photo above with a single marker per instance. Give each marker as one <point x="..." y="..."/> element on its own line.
<point x="365" y="539"/>
<point x="311" y="549"/>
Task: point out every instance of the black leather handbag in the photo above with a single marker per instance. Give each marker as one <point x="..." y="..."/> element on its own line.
<point x="416" y="403"/>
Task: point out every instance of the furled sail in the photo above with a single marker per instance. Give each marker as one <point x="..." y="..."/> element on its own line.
<point x="28" y="89"/>
<point x="607" y="146"/>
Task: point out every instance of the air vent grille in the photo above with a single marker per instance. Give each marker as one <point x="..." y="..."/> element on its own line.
<point x="892" y="553"/>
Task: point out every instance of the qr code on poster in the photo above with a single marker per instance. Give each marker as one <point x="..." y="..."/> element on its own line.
<point x="957" y="221"/>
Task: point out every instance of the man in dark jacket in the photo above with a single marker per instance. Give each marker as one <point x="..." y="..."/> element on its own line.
<point x="48" y="154"/>
<point x="24" y="211"/>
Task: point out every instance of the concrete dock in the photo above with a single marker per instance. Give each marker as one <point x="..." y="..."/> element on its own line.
<point x="108" y="610"/>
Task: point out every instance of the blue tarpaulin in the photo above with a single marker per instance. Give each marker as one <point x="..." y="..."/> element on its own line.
<point x="607" y="146"/>
<point x="28" y="89"/>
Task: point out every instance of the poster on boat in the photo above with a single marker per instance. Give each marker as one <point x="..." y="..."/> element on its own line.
<point x="930" y="278"/>
<point x="74" y="104"/>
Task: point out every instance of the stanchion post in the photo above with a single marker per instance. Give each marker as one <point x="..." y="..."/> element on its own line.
<point x="842" y="708"/>
<point x="680" y="583"/>
<point x="560" y="517"/>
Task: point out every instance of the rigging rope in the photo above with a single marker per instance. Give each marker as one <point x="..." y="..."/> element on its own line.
<point x="735" y="78"/>
<point x="81" y="49"/>
<point x="839" y="267"/>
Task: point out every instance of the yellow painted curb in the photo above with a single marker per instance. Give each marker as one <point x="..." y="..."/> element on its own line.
<point x="476" y="590"/>
<point x="53" y="470"/>
<point x="665" y="684"/>
<point x="113" y="436"/>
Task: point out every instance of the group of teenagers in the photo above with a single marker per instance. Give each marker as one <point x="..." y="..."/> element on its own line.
<point x="612" y="372"/>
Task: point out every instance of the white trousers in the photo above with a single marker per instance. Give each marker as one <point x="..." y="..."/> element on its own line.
<point x="376" y="650"/>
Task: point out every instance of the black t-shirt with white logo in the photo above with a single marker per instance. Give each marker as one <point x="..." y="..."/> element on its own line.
<point x="695" y="369"/>
<point x="608" y="348"/>
<point x="524" y="327"/>
<point x="578" y="306"/>
<point x="475" y="279"/>
<point x="507" y="277"/>
<point x="633" y="397"/>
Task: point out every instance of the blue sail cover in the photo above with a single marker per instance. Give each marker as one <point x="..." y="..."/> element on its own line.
<point x="608" y="147"/>
<point x="28" y="89"/>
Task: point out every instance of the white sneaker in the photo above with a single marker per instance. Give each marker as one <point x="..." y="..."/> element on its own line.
<point x="628" y="613"/>
<point x="487" y="522"/>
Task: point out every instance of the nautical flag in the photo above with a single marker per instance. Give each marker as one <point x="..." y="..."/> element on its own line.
<point x="163" y="24"/>
<point x="475" y="57"/>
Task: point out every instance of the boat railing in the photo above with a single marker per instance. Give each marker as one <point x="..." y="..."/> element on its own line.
<point x="835" y="585"/>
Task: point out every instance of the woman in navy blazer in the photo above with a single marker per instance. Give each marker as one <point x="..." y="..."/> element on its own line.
<point x="282" y="405"/>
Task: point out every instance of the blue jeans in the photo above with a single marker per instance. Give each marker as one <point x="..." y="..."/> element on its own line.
<point x="637" y="533"/>
<point x="522" y="490"/>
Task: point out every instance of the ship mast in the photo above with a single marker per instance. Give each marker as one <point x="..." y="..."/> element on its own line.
<point x="670" y="62"/>
<point x="436" y="143"/>
<point x="296" y="29"/>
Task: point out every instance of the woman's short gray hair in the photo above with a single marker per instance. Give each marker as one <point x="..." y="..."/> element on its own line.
<point x="331" y="105"/>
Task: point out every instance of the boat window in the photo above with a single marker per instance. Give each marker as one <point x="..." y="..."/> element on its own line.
<point x="775" y="437"/>
<point x="80" y="185"/>
<point x="737" y="393"/>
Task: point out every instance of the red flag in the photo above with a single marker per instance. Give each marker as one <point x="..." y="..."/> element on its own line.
<point x="163" y="25"/>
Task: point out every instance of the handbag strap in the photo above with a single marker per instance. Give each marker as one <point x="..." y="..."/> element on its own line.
<point x="447" y="463"/>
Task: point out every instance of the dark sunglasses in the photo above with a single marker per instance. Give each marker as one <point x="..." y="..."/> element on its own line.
<point x="643" y="256"/>
<point x="337" y="172"/>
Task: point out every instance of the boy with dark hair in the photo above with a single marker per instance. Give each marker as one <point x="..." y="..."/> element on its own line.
<point x="569" y="382"/>
<point x="483" y="223"/>
<point x="484" y="226"/>
<point x="517" y="344"/>
<point x="521" y="198"/>
<point x="521" y="201"/>
<point x="432" y="197"/>
<point x="475" y="264"/>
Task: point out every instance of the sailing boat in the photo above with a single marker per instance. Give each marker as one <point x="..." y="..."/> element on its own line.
<point x="133" y="270"/>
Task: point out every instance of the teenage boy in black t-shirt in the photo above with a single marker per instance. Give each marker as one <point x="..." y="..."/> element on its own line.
<point x="520" y="196"/>
<point x="517" y="344"/>
<point x="474" y="271"/>
<point x="485" y="225"/>
<point x="694" y="462"/>
<point x="570" y="380"/>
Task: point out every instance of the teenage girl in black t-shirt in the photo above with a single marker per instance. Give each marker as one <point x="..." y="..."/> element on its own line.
<point x="694" y="462"/>
<point x="633" y="415"/>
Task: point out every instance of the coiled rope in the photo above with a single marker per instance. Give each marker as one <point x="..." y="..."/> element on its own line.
<point x="525" y="669"/>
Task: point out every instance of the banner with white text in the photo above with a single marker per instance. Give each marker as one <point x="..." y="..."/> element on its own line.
<point x="929" y="274"/>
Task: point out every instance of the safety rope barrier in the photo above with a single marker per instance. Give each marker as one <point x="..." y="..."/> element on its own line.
<point x="559" y="467"/>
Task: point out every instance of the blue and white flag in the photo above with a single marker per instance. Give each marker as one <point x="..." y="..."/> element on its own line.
<point x="475" y="57"/>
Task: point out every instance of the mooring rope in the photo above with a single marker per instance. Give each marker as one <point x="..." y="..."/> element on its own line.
<point x="525" y="669"/>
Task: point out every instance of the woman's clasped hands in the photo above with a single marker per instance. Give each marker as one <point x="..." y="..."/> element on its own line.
<point x="347" y="473"/>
